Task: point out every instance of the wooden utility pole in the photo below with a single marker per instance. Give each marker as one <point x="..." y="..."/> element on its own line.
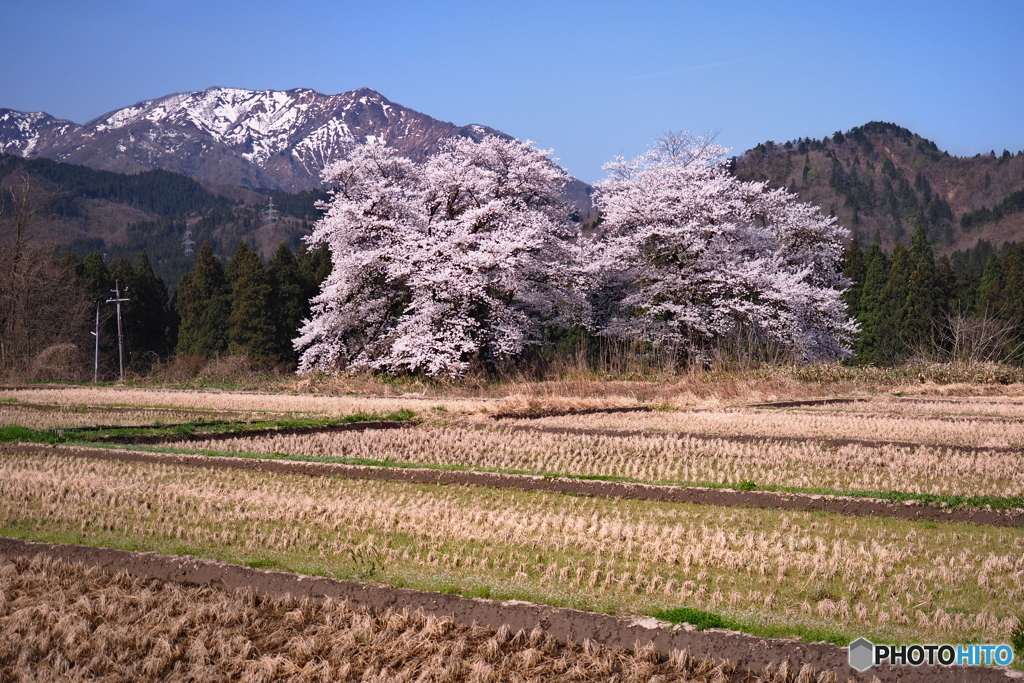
<point x="96" y="356"/>
<point x="120" y="334"/>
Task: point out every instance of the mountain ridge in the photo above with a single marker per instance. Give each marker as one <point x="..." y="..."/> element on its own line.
<point x="257" y="138"/>
<point x="880" y="180"/>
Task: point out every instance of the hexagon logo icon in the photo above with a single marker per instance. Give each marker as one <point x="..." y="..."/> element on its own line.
<point x="862" y="654"/>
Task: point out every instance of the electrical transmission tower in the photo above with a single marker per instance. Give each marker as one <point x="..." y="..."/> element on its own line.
<point x="271" y="212"/>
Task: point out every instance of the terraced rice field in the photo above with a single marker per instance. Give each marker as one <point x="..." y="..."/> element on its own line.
<point x="666" y="458"/>
<point x="769" y="572"/>
<point x="891" y="579"/>
<point x="949" y="428"/>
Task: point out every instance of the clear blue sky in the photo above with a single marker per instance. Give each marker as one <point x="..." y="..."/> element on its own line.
<point x="589" y="79"/>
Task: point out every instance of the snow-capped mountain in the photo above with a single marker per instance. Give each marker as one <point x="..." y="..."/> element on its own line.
<point x="259" y="138"/>
<point x="32" y="133"/>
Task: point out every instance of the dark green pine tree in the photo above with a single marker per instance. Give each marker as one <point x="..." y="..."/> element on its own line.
<point x="290" y="294"/>
<point x="251" y="322"/>
<point x="990" y="289"/>
<point x="231" y="269"/>
<point x="870" y="305"/>
<point x="121" y="273"/>
<point x="919" y="310"/>
<point x="97" y="283"/>
<point x="96" y="277"/>
<point x="315" y="266"/>
<point x="921" y="246"/>
<point x="203" y="303"/>
<point x="1013" y="287"/>
<point x="892" y="347"/>
<point x="148" y="313"/>
<point x="923" y="304"/>
<point x="965" y="292"/>
<point x="946" y="275"/>
<point x="854" y="270"/>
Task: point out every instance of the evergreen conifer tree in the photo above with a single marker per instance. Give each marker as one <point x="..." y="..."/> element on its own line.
<point x="148" y="311"/>
<point x="922" y="305"/>
<point x="315" y="266"/>
<point x="891" y="345"/>
<point x="918" y="309"/>
<point x="97" y="283"/>
<point x="1013" y="286"/>
<point x="204" y="303"/>
<point x="251" y="324"/>
<point x="290" y="294"/>
<point x="921" y="246"/>
<point x="965" y="294"/>
<point x="870" y="305"/>
<point x="854" y="270"/>
<point x="990" y="289"/>
<point x="96" y="277"/>
<point x="946" y="284"/>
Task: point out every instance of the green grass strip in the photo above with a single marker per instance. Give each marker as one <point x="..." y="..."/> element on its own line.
<point x="701" y="619"/>
<point x="189" y="429"/>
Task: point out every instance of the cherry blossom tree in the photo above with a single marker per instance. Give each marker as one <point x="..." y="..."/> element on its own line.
<point x="436" y="265"/>
<point x="689" y="256"/>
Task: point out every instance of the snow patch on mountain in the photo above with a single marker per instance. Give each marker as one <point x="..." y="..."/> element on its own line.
<point x="270" y="138"/>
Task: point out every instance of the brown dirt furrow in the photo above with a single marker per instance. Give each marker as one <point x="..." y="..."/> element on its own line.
<point x="533" y="415"/>
<point x="865" y="399"/>
<point x="743" y="651"/>
<point x="858" y="507"/>
<point x="748" y="438"/>
<point x="806" y="402"/>
<point x="929" y="416"/>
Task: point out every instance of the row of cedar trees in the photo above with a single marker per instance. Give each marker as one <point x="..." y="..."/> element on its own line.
<point x="246" y="308"/>
<point x="903" y="302"/>
<point x="909" y="304"/>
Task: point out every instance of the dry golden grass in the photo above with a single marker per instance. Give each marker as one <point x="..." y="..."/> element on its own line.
<point x="825" y="424"/>
<point x="721" y="385"/>
<point x="992" y="407"/>
<point x="333" y="406"/>
<point x="885" y="578"/>
<point x="75" y="416"/>
<point x="343" y="395"/>
<point x="62" y="621"/>
<point x="525" y="405"/>
<point x="656" y="458"/>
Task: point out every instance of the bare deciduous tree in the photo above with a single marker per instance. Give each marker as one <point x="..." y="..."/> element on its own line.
<point x="42" y="310"/>
<point x="972" y="339"/>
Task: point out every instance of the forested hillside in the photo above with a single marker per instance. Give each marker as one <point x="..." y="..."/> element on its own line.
<point x="881" y="180"/>
<point x="83" y="210"/>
